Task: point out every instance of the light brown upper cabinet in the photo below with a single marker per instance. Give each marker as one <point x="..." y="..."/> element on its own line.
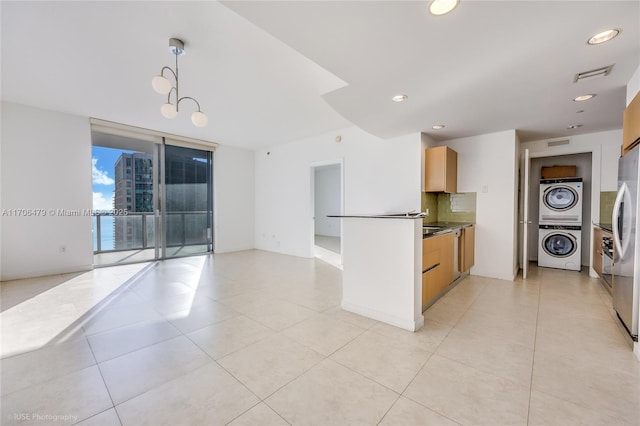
<point x="440" y="170"/>
<point x="466" y="257"/>
<point x="631" y="125"/>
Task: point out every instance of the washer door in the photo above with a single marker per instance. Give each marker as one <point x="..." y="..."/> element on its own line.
<point x="559" y="245"/>
<point x="560" y="198"/>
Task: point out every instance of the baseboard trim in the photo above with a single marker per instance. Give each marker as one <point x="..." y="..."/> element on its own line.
<point x="45" y="272"/>
<point x="384" y="317"/>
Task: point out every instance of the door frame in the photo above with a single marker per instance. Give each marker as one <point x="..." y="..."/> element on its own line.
<point x="596" y="176"/>
<point x="526" y="211"/>
<point x="312" y="201"/>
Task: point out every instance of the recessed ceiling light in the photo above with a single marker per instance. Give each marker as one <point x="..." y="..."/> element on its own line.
<point x="438" y="127"/>
<point x="574" y="126"/>
<point x="603" y="36"/>
<point x="399" y="98"/>
<point x="442" y="7"/>
<point x="584" y="97"/>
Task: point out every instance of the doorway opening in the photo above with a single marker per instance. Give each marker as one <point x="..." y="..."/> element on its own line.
<point x="530" y="244"/>
<point x="327" y="200"/>
<point x="583" y="163"/>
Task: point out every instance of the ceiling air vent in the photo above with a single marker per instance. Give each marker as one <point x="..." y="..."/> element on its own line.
<point x="604" y="71"/>
<point x="558" y="142"/>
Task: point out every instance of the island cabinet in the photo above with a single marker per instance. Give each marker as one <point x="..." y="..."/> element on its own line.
<point x="631" y="125"/>
<point x="437" y="265"/>
<point x="440" y="170"/>
<point x="466" y="257"/>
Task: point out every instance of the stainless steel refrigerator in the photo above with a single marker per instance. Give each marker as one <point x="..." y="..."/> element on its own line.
<point x="625" y="237"/>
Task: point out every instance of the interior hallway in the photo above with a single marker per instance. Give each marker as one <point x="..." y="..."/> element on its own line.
<point x="259" y="338"/>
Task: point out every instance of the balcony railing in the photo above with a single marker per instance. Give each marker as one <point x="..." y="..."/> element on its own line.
<point x="138" y="230"/>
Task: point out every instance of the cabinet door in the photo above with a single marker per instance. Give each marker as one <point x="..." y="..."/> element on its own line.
<point x="440" y="170"/>
<point x="429" y="285"/>
<point x="447" y="244"/>
<point x="631" y="125"/>
<point x="431" y="257"/>
<point x="451" y="172"/>
<point x="466" y="256"/>
<point x="437" y="260"/>
<point x="597" y="251"/>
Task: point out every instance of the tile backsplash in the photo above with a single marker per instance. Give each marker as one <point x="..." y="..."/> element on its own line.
<point x="449" y="207"/>
<point x="430" y="202"/>
<point x="607" y="198"/>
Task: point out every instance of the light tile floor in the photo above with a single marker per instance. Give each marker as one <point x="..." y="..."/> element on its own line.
<point x="257" y="338"/>
<point x="328" y="250"/>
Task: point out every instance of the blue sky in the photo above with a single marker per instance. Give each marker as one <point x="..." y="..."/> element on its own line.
<point x="103" y="162"/>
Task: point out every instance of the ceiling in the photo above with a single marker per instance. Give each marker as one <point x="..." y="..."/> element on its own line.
<point x="268" y="72"/>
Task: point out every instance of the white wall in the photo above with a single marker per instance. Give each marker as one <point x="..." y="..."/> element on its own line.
<point x="327" y="200"/>
<point x="379" y="176"/>
<point x="633" y="87"/>
<point x="45" y="164"/>
<point x="488" y="162"/>
<point x="234" y="196"/>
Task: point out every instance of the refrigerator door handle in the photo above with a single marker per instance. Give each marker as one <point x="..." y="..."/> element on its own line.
<point x="621" y="241"/>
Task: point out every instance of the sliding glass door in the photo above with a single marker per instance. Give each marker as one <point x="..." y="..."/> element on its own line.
<point x="152" y="200"/>
<point x="188" y="201"/>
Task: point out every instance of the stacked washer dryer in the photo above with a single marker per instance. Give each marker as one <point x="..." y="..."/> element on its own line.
<point x="560" y="224"/>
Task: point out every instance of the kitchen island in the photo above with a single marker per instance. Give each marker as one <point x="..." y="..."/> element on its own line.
<point x="394" y="267"/>
<point x="382" y="262"/>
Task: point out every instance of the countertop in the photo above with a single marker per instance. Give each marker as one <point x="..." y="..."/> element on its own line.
<point x="439" y="228"/>
<point x="384" y="216"/>
<point x="428" y="230"/>
<point x="604" y="226"/>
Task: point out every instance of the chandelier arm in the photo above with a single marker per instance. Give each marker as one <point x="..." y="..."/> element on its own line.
<point x="175" y="76"/>
<point x="198" y="118"/>
<point x="169" y="96"/>
<point x="188" y="97"/>
<point x="177" y="83"/>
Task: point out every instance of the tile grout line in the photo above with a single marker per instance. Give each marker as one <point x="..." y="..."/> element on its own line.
<point x="533" y="358"/>
<point x="278" y="414"/>
<point x="180" y="334"/>
<point x="244" y="412"/>
<point x="389" y="409"/>
<point x="113" y="405"/>
<point x="325" y="357"/>
<point x="229" y="372"/>
<point x="159" y="384"/>
<point x="132" y="350"/>
<point x="436" y="349"/>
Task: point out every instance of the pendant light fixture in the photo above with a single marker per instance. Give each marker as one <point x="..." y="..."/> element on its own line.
<point x="442" y="7"/>
<point x="163" y="86"/>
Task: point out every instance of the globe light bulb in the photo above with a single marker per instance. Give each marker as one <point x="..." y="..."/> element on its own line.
<point x="442" y="7"/>
<point x="161" y="85"/>
<point x="168" y="110"/>
<point x="199" y="119"/>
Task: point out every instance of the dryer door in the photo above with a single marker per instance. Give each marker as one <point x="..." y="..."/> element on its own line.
<point x="559" y="245"/>
<point x="560" y="198"/>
